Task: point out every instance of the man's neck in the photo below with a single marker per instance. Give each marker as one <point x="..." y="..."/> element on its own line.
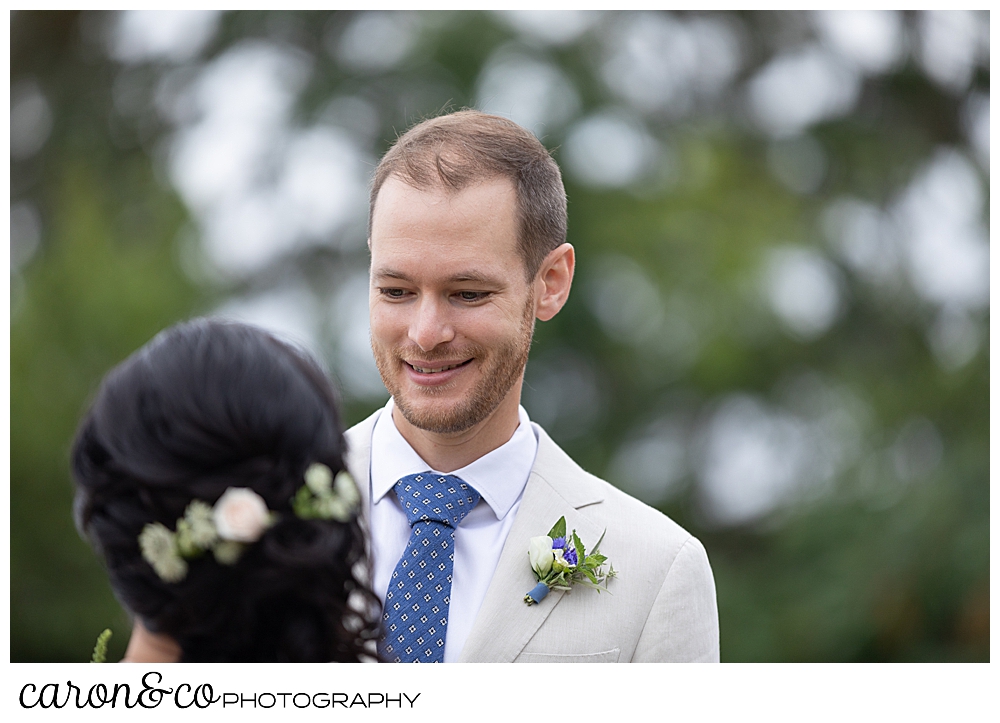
<point x="448" y="452"/>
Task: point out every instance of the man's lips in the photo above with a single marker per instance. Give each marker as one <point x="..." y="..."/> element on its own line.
<point x="435" y="367"/>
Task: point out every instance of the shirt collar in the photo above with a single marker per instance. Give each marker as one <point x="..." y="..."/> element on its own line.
<point x="499" y="476"/>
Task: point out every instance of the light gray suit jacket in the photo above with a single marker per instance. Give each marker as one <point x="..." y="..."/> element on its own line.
<point x="661" y="607"/>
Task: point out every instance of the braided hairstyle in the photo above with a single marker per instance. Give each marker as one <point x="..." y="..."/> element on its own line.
<point x="204" y="406"/>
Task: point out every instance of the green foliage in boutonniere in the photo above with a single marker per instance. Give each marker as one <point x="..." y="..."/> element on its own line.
<point x="560" y="561"/>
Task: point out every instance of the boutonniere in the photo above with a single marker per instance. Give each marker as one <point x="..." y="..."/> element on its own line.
<point x="560" y="561"/>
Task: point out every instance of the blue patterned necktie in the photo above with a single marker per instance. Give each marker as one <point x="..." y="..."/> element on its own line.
<point x="416" y="604"/>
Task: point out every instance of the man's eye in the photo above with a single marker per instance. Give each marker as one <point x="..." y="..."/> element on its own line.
<point x="472" y="295"/>
<point x="393" y="293"/>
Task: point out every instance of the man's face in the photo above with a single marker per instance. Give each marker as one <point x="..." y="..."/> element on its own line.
<point x="451" y="312"/>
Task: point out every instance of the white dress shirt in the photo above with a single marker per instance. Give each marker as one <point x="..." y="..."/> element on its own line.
<point x="499" y="477"/>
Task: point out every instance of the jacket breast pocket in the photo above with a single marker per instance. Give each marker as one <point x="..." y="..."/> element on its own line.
<point x="607" y="656"/>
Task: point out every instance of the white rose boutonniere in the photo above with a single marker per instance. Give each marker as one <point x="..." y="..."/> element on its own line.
<point x="559" y="562"/>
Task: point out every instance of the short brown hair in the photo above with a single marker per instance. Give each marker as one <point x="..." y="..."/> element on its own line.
<point x="459" y="149"/>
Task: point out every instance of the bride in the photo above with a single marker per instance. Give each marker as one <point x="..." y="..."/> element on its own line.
<point x="209" y="477"/>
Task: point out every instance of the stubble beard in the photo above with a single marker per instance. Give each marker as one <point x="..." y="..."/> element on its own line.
<point x="500" y="371"/>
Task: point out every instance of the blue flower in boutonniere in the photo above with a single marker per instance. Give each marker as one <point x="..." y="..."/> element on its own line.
<point x="559" y="562"/>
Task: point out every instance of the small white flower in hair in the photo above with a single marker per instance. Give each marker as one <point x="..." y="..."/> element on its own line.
<point x="319" y="478"/>
<point x="159" y="548"/>
<point x="241" y="515"/>
<point x="325" y="497"/>
<point x="347" y="490"/>
<point x="199" y="518"/>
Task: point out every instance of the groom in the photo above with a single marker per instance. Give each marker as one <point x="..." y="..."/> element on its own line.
<point x="467" y="232"/>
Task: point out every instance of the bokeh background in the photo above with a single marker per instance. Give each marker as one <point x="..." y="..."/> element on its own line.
<point x="778" y="331"/>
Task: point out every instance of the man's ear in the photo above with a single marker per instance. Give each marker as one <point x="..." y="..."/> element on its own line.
<point x="553" y="280"/>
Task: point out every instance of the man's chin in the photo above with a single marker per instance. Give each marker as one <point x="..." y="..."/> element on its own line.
<point x="436" y="420"/>
<point x="443" y="418"/>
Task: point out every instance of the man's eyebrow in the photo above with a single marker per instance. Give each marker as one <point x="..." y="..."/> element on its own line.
<point x="474" y="276"/>
<point x="459" y="278"/>
<point x="390" y="274"/>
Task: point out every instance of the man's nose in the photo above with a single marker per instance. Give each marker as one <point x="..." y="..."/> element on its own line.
<point x="431" y="326"/>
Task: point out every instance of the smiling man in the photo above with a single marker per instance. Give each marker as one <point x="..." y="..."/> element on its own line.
<point x="467" y="232"/>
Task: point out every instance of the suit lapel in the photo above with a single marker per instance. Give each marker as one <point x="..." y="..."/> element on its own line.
<point x="556" y="487"/>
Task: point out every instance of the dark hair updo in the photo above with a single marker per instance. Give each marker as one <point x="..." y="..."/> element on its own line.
<point x="205" y="406"/>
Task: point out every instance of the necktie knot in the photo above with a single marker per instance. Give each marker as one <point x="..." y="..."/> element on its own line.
<point x="428" y="497"/>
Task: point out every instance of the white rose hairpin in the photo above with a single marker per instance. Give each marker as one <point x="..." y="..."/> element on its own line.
<point x="239" y="518"/>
